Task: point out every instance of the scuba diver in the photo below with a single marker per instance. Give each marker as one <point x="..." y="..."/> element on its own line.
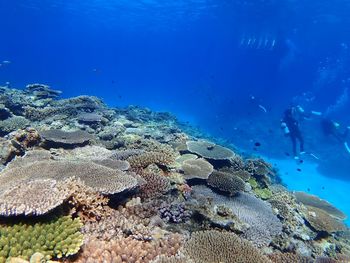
<point x="332" y="129"/>
<point x="291" y="127"/>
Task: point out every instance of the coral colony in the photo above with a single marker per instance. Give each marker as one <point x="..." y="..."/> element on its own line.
<point x="81" y="182"/>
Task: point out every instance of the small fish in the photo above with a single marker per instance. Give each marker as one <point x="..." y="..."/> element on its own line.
<point x="301" y="161"/>
<point x="298" y="169"/>
<point x="263" y="108"/>
<point x="308" y="189"/>
<point x="288" y="154"/>
<point x="322" y="187"/>
<point x="6" y="62"/>
<point x="257" y="144"/>
<point x="273" y="43"/>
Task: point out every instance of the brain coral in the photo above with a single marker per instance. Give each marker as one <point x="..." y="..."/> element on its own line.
<point x="209" y="150"/>
<point x="315" y="201"/>
<point x="197" y="168"/>
<point x="221" y="247"/>
<point x="54" y="237"/>
<point x="99" y="178"/>
<point x="226" y="182"/>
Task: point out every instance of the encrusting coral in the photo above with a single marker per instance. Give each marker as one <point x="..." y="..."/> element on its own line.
<point x="54" y="237"/>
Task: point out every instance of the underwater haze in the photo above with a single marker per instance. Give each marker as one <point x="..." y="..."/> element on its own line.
<point x="227" y="69"/>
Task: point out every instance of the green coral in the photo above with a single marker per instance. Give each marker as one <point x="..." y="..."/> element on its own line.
<point x="53" y="237"/>
<point x="263" y="193"/>
<point x="253" y="183"/>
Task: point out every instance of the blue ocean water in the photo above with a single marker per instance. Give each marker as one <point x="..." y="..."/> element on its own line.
<point x="228" y="67"/>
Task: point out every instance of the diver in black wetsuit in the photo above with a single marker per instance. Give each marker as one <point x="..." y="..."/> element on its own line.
<point x="290" y="124"/>
<point x="331" y="128"/>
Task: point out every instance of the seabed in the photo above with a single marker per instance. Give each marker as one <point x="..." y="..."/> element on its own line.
<point x="83" y="182"/>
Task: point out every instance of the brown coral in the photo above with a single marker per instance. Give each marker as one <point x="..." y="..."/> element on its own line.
<point x="213" y="246"/>
<point x="209" y="150"/>
<point x="315" y="201"/>
<point x="156" y="185"/>
<point x="145" y="159"/>
<point x="33" y="198"/>
<point x="226" y="182"/>
<point x="129" y="250"/>
<point x="197" y="168"/>
<point x="100" y="178"/>
<point x="322" y="221"/>
<point x="289" y="258"/>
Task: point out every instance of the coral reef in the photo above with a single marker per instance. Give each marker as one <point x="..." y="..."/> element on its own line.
<point x="54" y="237"/>
<point x="213" y="247"/>
<point x="209" y="150"/>
<point x="315" y="201"/>
<point x="226" y="182"/>
<point x="197" y="168"/>
<point x="58" y="138"/>
<point x="143" y="190"/>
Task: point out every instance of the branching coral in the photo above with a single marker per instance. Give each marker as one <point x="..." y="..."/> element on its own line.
<point x="129" y="250"/>
<point x="54" y="237"/>
<point x="145" y="159"/>
<point x="214" y="246"/>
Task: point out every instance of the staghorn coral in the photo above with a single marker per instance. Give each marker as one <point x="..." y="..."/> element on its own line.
<point x="213" y="246"/>
<point x="197" y="168"/>
<point x="289" y="258"/>
<point x="129" y="250"/>
<point x="86" y="203"/>
<point x="145" y="159"/>
<point x="321" y="221"/>
<point x="33" y="198"/>
<point x="209" y="150"/>
<point x="315" y="201"/>
<point x="53" y="237"/>
<point x="59" y="138"/>
<point x="226" y="182"/>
